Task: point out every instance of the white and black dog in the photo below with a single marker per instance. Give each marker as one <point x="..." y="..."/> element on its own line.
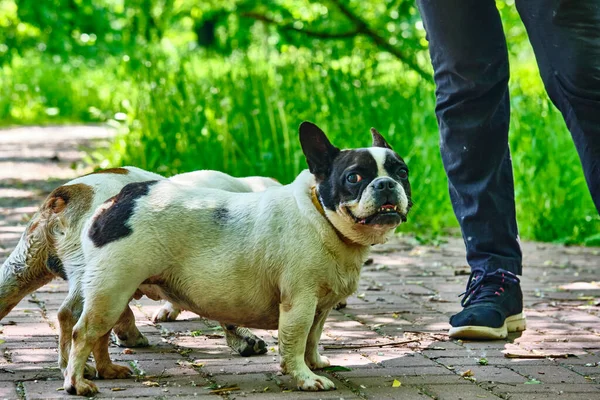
<point x="50" y="247"/>
<point x="278" y="259"/>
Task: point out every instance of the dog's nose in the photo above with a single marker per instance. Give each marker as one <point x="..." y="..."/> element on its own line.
<point x="381" y="184"/>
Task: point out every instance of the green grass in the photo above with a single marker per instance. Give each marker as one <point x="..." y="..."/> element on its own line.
<point x="240" y="115"/>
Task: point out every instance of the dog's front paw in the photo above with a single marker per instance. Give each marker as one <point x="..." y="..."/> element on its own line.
<point x="114" y="371"/>
<point x="81" y="387"/>
<point x="313" y="382"/>
<point x="166" y="313"/>
<point x="319" y="362"/>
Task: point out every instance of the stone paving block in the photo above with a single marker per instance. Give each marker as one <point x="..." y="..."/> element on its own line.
<point x="397" y="371"/>
<point x="118" y="388"/>
<point x="497" y="361"/>
<point x="348" y="358"/>
<point x="410" y="360"/>
<point x="246" y="366"/>
<point x="381" y="388"/>
<point x="592" y="370"/>
<point x="34" y="355"/>
<point x="546" y="396"/>
<point x="550" y="374"/>
<point x="490" y="373"/>
<point x="379" y="355"/>
<point x="296" y="395"/>
<point x="551" y="390"/>
<point x="28" y="371"/>
<point x="169" y="368"/>
<point x="464" y="353"/>
<point x="459" y="392"/>
<point x="28" y="330"/>
<point x="8" y="390"/>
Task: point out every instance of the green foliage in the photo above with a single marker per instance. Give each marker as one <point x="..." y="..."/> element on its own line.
<point x="224" y="85"/>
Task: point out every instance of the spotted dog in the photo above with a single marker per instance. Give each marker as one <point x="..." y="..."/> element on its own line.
<point x="277" y="259"/>
<point x="50" y="247"/>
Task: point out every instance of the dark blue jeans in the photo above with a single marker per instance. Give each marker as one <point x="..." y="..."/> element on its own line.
<point x="470" y="61"/>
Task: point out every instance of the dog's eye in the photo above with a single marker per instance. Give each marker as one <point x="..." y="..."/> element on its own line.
<point x="403" y="173"/>
<point x="354" y="178"/>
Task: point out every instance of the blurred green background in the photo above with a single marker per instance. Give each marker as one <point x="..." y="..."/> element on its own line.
<point x="224" y="85"/>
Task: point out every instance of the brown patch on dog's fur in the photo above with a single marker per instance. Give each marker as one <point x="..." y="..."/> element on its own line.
<point x="77" y="197"/>
<point x="324" y="290"/>
<point x="118" y="171"/>
<point x="33" y="226"/>
<point x="64" y="207"/>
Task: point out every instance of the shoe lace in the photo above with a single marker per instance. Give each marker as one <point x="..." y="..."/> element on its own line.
<point x="483" y="286"/>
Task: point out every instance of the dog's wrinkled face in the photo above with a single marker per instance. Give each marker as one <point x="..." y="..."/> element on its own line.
<point x="365" y="192"/>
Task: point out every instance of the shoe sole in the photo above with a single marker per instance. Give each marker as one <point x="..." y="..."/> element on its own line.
<point x="514" y="323"/>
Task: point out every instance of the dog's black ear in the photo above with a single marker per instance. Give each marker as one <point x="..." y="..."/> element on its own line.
<point x="378" y="140"/>
<point x="318" y="150"/>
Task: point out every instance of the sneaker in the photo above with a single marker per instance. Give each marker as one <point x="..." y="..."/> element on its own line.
<point x="492" y="307"/>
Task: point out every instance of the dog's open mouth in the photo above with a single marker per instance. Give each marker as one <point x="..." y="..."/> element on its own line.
<point x="387" y="214"/>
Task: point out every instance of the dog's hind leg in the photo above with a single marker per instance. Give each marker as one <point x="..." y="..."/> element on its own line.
<point x="128" y="335"/>
<point x="243" y="340"/>
<point x="105" y="301"/>
<point x="106" y="369"/>
<point x="68" y="314"/>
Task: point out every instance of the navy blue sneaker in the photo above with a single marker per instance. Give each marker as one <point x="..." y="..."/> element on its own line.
<point x="493" y="307"/>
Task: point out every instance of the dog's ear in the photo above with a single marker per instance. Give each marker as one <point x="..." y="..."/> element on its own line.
<point x="318" y="150"/>
<point x="378" y="140"/>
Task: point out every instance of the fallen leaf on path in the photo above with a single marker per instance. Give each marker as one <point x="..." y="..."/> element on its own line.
<point x="396" y="383"/>
<point x="467" y="373"/>
<point x="150" y="384"/>
<point x="117" y="389"/>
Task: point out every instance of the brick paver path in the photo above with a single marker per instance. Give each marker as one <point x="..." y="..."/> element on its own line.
<point x="393" y="330"/>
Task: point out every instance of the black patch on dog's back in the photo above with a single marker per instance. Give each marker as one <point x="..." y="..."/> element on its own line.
<point x="111" y="224"/>
<point x="54" y="264"/>
<point x="221" y="215"/>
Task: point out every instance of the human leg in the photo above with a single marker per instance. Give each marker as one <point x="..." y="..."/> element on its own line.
<point x="470" y="61"/>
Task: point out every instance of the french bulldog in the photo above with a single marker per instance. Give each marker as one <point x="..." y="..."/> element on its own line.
<point x="50" y="248"/>
<point x="277" y="259"/>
